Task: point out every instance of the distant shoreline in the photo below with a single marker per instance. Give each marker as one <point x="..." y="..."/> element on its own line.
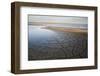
<point x="77" y="30"/>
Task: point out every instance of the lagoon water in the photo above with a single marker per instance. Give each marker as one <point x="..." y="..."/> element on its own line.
<point x="46" y="44"/>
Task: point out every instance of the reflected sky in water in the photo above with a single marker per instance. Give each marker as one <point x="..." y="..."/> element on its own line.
<point x="51" y="44"/>
<point x="38" y="34"/>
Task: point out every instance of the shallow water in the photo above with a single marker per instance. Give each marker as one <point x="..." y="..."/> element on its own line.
<point x="49" y="44"/>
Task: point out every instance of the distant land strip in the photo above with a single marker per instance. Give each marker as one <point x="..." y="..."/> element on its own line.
<point x="63" y="29"/>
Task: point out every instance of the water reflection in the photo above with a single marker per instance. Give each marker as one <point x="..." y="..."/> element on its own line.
<point x="37" y="34"/>
<point x="49" y="44"/>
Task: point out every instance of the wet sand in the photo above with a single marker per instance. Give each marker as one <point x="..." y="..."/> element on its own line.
<point x="74" y="30"/>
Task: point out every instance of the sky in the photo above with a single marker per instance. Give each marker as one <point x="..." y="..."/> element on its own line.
<point x="65" y="21"/>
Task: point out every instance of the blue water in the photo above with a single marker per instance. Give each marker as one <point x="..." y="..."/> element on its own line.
<point x="39" y="35"/>
<point x="49" y="44"/>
